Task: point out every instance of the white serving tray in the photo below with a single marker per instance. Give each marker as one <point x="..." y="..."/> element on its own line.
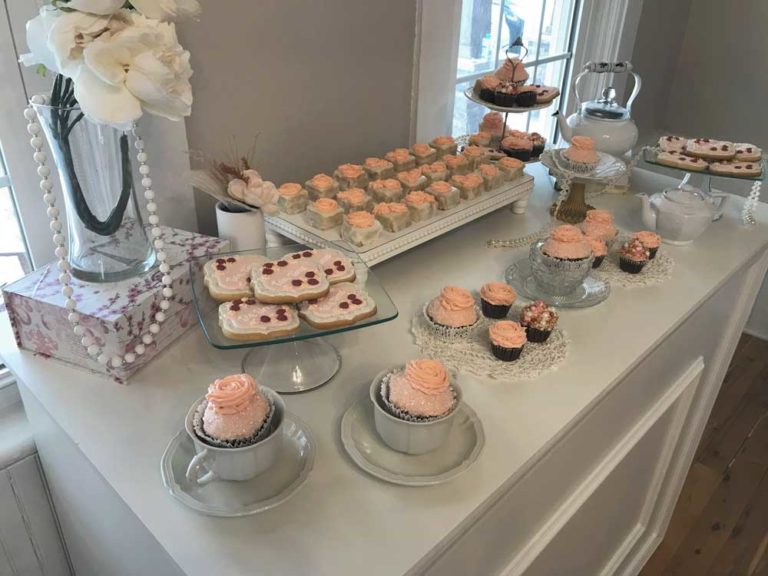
<point x="391" y="244"/>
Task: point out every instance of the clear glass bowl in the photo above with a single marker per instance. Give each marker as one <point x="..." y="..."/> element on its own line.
<point x="554" y="276"/>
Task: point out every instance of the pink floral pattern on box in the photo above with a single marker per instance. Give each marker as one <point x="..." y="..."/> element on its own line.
<point x="115" y="315"/>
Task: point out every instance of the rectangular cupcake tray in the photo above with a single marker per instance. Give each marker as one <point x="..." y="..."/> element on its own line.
<point x="391" y="244"/>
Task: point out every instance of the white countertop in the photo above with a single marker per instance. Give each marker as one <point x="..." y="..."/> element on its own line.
<point x="344" y="522"/>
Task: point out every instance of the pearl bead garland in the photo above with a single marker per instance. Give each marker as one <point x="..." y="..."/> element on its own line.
<point x="65" y="278"/>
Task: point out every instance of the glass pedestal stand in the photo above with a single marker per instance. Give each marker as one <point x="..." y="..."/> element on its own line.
<point x="295" y="362"/>
<point x="293" y="367"/>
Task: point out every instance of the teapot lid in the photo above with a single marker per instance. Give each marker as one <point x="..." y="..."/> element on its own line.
<point x="685" y="194"/>
<point x="606" y="108"/>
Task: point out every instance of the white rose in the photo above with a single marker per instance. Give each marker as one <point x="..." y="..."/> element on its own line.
<point x="102" y="7"/>
<point x="262" y="196"/>
<point x="236" y="188"/>
<point x="146" y="61"/>
<point x="167" y="9"/>
<point x="252" y="177"/>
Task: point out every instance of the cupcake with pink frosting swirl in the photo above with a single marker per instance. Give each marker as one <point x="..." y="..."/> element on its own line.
<point x="421" y="391"/>
<point x="580" y="156"/>
<point x="496" y="298"/>
<point x="507" y="340"/>
<point x="453" y="312"/>
<point x="235" y="412"/>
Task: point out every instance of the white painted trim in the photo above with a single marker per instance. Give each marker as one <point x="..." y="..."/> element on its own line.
<point x="542" y="538"/>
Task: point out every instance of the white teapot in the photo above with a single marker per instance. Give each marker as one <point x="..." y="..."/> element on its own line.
<point x="680" y="215"/>
<point x="604" y="120"/>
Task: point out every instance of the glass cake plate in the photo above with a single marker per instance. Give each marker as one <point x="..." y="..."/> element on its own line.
<point x="296" y="362"/>
<point x="475" y="97"/>
<point x="590" y="293"/>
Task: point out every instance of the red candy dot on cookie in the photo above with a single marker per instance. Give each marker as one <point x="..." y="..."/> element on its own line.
<point x="269" y="264"/>
<point x="306" y="254"/>
<point x="267" y="271"/>
<point x="724" y="147"/>
<point x="329" y="271"/>
<point x="282" y="263"/>
<point x="234" y="307"/>
<point x="282" y="318"/>
<point x="296" y="256"/>
<point x="220" y="267"/>
<point x="281" y="311"/>
<point x="296" y="282"/>
<point x="344" y="305"/>
<point x="357" y="301"/>
<point x="248" y="279"/>
<point x="237" y="301"/>
<point x="713" y="148"/>
<point x="749" y="150"/>
<point x="337" y="263"/>
<point x="310" y="274"/>
<point x="340" y="268"/>
<point x="749" y="166"/>
<point x="265" y="319"/>
<point x="351" y="296"/>
<point x="313" y="281"/>
<point x="220" y="261"/>
<point x="251" y="301"/>
<point x="230" y="259"/>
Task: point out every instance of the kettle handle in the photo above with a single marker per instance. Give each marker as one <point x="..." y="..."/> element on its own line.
<point x="605" y="68"/>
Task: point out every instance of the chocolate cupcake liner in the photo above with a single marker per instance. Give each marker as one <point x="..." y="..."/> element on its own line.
<point x="536" y="335"/>
<point x="450" y="331"/>
<point x="264" y="430"/>
<point x="631" y="266"/>
<point x="494" y="311"/>
<point x="506" y="354"/>
<point x="597" y="261"/>
<point x="526" y="99"/>
<point x="488" y="95"/>
<point x="402" y="414"/>
<point x="652" y="252"/>
<point x="579" y="167"/>
<point x="537" y="151"/>
<point x="504" y="99"/>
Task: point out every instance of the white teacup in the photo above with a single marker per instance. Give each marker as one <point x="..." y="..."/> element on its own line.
<point x="410" y="437"/>
<point x="214" y="463"/>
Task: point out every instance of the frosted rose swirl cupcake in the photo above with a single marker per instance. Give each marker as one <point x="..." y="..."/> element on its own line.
<point x="496" y="298"/>
<point x="234" y="414"/>
<point x="580" y="155"/>
<point x="599" y="224"/>
<point x="650" y="240"/>
<point x="453" y="312"/>
<point x="560" y="263"/>
<point x="507" y="340"/>
<point x="599" y="251"/>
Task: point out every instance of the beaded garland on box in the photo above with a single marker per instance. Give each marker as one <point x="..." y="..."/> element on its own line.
<point x="472" y="355"/>
<point x="65" y="278"/>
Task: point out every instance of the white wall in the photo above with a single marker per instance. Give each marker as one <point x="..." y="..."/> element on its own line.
<point x="319" y="82"/>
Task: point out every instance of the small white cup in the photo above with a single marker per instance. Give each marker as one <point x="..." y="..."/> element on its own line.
<point x="410" y="437"/>
<point x="214" y="463"/>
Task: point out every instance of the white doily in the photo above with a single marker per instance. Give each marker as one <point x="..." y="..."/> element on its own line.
<point x="473" y="355"/>
<point x="655" y="272"/>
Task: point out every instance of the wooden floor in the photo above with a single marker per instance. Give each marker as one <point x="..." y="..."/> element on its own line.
<point x="720" y="524"/>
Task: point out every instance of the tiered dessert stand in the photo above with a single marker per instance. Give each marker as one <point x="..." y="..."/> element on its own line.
<point x="297" y="362"/>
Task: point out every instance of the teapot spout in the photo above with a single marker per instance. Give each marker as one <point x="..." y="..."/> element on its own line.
<point x="648" y="213"/>
<point x="565" y="129"/>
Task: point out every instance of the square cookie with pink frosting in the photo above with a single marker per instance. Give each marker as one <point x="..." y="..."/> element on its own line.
<point x="288" y="280"/>
<point x="345" y="304"/>
<point x="337" y="267"/>
<point x="229" y="277"/>
<point x="249" y="319"/>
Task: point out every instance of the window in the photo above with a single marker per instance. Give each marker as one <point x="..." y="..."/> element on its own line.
<point x="14" y="257"/>
<point x="487" y="28"/>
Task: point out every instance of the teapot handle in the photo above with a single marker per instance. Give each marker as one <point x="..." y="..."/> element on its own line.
<point x="605" y="68"/>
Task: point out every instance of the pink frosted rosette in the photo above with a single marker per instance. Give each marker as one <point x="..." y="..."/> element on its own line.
<point x="419" y="392"/>
<point x="453" y="314"/>
<point x="580" y="156"/>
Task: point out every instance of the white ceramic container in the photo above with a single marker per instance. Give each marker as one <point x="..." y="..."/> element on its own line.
<point x="410" y="437"/>
<point x="245" y="230"/>
<point x="212" y="463"/>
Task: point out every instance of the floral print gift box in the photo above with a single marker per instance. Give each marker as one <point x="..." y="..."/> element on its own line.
<point x="115" y="315"/>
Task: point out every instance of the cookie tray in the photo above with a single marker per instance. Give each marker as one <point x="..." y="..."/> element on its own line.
<point x="392" y="244"/>
<point x="649" y="155"/>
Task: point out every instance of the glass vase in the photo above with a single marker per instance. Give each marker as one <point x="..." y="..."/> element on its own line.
<point x="98" y="170"/>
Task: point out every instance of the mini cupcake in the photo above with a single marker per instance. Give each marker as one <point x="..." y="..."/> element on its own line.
<point x="505" y="95"/>
<point x="492" y="177"/>
<point x="470" y="185"/>
<point x="525" y="97"/>
<point x="560" y="263"/>
<point x="457" y="164"/>
<point x="435" y="172"/>
<point x="507" y="340"/>
<point x="378" y="169"/>
<point x="292" y="198"/>
<point x="493" y="124"/>
<point x="580" y="156"/>
<point x="402" y="159"/>
<point x="650" y="240"/>
<point x="454" y="310"/>
<point x="518" y="146"/>
<point x="539" y="142"/>
<point x="236" y="412"/>
<point x="633" y="256"/>
<point x="511" y="168"/>
<point x="360" y="228"/>
<point x="599" y="250"/>
<point x="486" y="88"/>
<point x="444" y="145"/>
<point x="353" y="200"/>
<point x="496" y="298"/>
<point x="351" y="176"/>
<point x="567" y="243"/>
<point x="321" y="186"/>
<point x="539" y="320"/>
<point x="424" y="154"/>
<point x="421" y="206"/>
<point x="476" y="155"/>
<point x="324" y="214"/>
<point x="420" y="392"/>
<point x="599" y="224"/>
<point x="387" y="190"/>
<point x="394" y="216"/>
<point x="447" y="196"/>
<point x="412" y="180"/>
<point x="480" y="139"/>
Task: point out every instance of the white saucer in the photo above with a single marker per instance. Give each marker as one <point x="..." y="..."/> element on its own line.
<point x="230" y="499"/>
<point x="369" y="452"/>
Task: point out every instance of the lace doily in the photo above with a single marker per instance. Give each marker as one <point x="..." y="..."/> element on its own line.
<point x="655" y="272"/>
<point x="473" y="355"/>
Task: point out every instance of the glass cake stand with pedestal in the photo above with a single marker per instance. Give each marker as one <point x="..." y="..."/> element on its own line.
<point x="296" y="362"/>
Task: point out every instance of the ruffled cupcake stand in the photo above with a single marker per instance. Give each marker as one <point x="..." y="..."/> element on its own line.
<point x="297" y="362"/>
